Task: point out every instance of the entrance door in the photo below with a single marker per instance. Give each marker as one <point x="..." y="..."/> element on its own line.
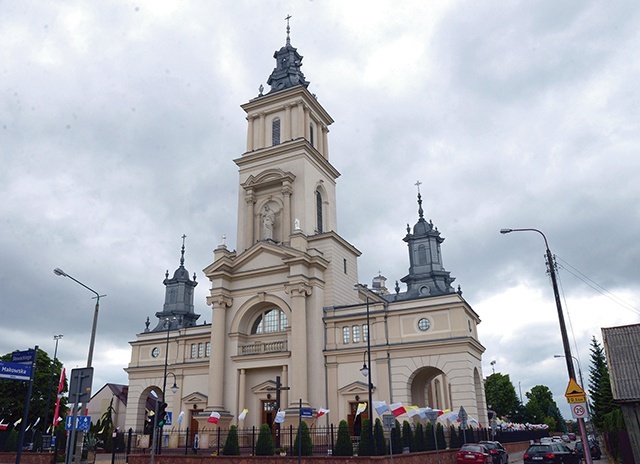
<point x="355" y="422"/>
<point x="193" y="430"/>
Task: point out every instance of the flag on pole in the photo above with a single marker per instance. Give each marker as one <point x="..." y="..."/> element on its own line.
<point x="412" y="411"/>
<point x="180" y="417"/>
<point x="397" y="409"/>
<point x="322" y="412"/>
<point x="243" y="414"/>
<point x="15" y="424"/>
<point x="3" y="426"/>
<point x="63" y="375"/>
<point x="279" y="417"/>
<point x="214" y="417"/>
<point x="36" y="422"/>
<point x="380" y="407"/>
<point x="362" y="407"/>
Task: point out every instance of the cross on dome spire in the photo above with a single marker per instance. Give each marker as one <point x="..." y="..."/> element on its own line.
<point x="288" y="29"/>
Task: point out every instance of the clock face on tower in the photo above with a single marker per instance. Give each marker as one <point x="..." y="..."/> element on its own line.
<point x="155" y="352"/>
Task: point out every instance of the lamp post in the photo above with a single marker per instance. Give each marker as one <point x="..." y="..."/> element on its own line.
<point x="563" y="328"/>
<point x="59" y="272"/>
<point x="578" y="363"/>
<point x="366" y="370"/>
<point x="167" y="322"/>
<point x="55" y="355"/>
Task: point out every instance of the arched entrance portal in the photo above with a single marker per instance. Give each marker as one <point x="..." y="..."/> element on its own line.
<point x="430" y="388"/>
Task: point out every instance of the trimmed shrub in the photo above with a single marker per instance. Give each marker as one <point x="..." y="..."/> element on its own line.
<point x="380" y="443"/>
<point x="396" y="439"/>
<point x="407" y="435"/>
<point x="231" y="445"/>
<point x="442" y="442"/>
<point x="307" y="444"/>
<point x="418" y="442"/>
<point x="343" y="446"/>
<point x="264" y="445"/>
<point x="366" y="447"/>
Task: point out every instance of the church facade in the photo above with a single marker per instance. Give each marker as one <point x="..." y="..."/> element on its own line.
<point x="290" y="324"/>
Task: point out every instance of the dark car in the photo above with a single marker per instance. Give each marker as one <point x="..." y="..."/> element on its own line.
<point x="497" y="451"/>
<point x="548" y="453"/>
<point x="596" y="453"/>
<point x="474" y="453"/>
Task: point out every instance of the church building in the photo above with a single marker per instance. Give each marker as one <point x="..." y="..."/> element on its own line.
<point x="290" y="322"/>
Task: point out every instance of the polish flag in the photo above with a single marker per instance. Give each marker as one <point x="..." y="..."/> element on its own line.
<point x="397" y="409"/>
<point x="63" y="376"/>
<point x="322" y="412"/>
<point x="3" y="426"/>
<point x="214" y="417"/>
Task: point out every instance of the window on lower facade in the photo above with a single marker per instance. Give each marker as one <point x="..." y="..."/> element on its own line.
<point x="207" y="349"/>
<point x="356" y="333"/>
<point x="193" y="350"/>
<point x="346" y="332"/>
<point x="365" y="333"/>
<point x="200" y="350"/>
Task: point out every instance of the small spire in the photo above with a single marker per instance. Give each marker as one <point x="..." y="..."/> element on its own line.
<point x="288" y="29"/>
<point x="420" y="211"/>
<point x="182" y="256"/>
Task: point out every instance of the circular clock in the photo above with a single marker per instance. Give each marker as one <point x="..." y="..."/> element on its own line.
<point x="155" y="352"/>
<point x="424" y="324"/>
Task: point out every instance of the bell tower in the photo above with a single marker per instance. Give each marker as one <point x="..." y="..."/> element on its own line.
<point x="287" y="183"/>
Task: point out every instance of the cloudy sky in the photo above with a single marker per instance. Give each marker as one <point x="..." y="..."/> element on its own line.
<point x="119" y="123"/>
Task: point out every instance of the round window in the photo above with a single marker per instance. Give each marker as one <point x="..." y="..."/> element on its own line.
<point x="155" y="352"/>
<point x="424" y="324"/>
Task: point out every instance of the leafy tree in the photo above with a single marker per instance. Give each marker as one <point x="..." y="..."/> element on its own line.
<point x="542" y="409"/>
<point x="378" y="438"/>
<point x="231" y="444"/>
<point x="407" y="435"/>
<point x="366" y="448"/>
<point x="419" y="443"/>
<point x="264" y="445"/>
<point x="307" y="445"/>
<point x="501" y="394"/>
<point x="343" y="446"/>
<point x="13" y="393"/>
<point x="396" y="439"/>
<point x="600" y="386"/>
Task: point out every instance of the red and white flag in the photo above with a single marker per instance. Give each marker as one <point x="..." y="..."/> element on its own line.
<point x="3" y="426"/>
<point x="214" y="417"/>
<point x="397" y="409"/>
<point x="322" y="412"/>
<point x="63" y="376"/>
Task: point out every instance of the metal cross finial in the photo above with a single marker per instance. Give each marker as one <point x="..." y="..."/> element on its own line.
<point x="418" y="184"/>
<point x="288" y="28"/>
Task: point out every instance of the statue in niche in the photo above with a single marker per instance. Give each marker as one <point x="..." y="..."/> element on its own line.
<point x="268" y="221"/>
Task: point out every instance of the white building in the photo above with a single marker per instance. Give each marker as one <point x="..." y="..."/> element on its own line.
<point x="285" y="303"/>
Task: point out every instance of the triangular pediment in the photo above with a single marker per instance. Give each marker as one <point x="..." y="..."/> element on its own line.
<point x="195" y="398"/>
<point x="268" y="178"/>
<point x="262" y="256"/>
<point x="355" y="388"/>
<point x="268" y="386"/>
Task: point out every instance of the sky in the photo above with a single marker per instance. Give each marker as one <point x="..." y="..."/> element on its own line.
<point x="120" y="120"/>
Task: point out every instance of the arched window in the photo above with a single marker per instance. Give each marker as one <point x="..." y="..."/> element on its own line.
<point x="270" y="321"/>
<point x="318" y="211"/>
<point x="275" y="131"/>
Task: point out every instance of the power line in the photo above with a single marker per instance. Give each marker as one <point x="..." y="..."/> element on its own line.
<point x="596" y="286"/>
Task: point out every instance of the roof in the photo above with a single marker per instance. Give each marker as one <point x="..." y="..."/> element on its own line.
<point x="621" y="346"/>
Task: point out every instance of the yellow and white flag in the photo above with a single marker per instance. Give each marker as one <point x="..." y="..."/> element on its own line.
<point x="362" y="407"/>
<point x="243" y="414"/>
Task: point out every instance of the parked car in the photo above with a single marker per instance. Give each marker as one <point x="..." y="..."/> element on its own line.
<point x="565" y="438"/>
<point x="596" y="453"/>
<point x="497" y="451"/>
<point x="572" y="436"/>
<point x="550" y="453"/>
<point x="474" y="453"/>
<point x="546" y="440"/>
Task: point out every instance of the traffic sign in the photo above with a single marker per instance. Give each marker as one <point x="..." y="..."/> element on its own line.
<point x="389" y="421"/>
<point x="82" y="422"/>
<point x="579" y="410"/>
<point x="575" y="393"/>
<point x="463" y="416"/>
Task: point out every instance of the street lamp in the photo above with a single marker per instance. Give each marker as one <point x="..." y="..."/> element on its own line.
<point x="59" y="272"/>
<point x="174" y="387"/>
<point x="578" y="363"/>
<point x="563" y="328"/>
<point x="366" y="371"/>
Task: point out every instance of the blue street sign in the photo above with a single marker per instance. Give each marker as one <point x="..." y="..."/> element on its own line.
<point x="82" y="422"/>
<point x="306" y="412"/>
<point x="169" y="418"/>
<point x="22" y="356"/>
<point x="15" y="371"/>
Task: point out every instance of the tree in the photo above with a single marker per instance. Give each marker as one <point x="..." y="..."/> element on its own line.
<point x="396" y="439"/>
<point x="419" y="443"/>
<point x="365" y="448"/>
<point x="501" y="395"/>
<point x="407" y="435"/>
<point x="264" y="445"/>
<point x="430" y="437"/>
<point x="307" y="445"/>
<point x="231" y="444"/>
<point x="378" y="438"/>
<point x="542" y="409"/>
<point x="600" y="386"/>
<point x="13" y="393"/>
<point x="343" y="446"/>
<point x="441" y="441"/>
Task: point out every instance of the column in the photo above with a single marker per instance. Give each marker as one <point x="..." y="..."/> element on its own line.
<point x="261" y="129"/>
<point x="242" y="385"/>
<point x="299" y="361"/>
<point x="325" y="142"/>
<point x="300" y="131"/>
<point x="307" y="129"/>
<point x="284" y="395"/>
<point x="287" y="124"/>
<point x="250" y="225"/>
<point x="219" y="305"/>
<point x="250" y="119"/>
<point x="286" y="213"/>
